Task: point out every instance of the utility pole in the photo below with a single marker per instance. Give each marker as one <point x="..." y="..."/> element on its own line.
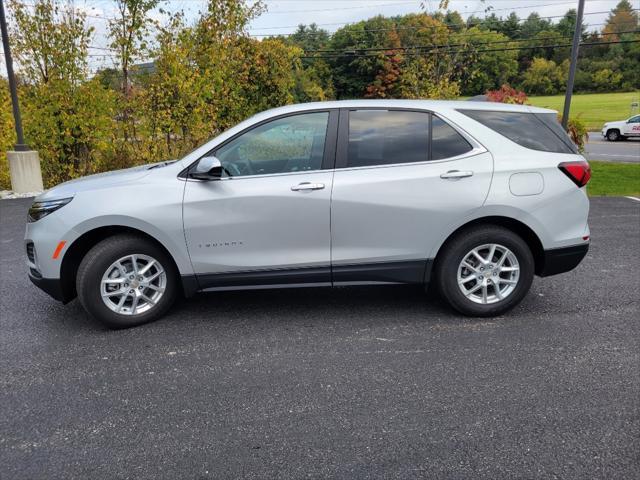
<point x="24" y="164"/>
<point x="574" y="63"/>
<point x="20" y="145"/>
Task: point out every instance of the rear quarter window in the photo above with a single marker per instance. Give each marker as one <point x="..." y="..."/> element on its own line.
<point x="445" y="141"/>
<point x="537" y="131"/>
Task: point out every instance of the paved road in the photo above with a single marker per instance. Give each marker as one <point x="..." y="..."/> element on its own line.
<point x="597" y="148"/>
<point x="367" y="382"/>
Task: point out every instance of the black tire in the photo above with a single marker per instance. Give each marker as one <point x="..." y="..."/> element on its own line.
<point x="455" y="250"/>
<point x="613" y="135"/>
<point x="97" y="261"/>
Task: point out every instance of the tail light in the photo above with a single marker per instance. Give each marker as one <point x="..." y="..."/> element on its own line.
<point x="578" y="172"/>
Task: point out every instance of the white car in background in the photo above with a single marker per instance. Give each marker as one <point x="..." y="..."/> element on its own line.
<point x="614" y="131"/>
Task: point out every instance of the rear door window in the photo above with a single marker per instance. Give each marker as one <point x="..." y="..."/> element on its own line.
<point x="386" y="137"/>
<point x="531" y="130"/>
<point x="383" y="137"/>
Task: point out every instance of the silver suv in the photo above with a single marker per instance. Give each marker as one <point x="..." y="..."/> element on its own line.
<point x="475" y="198"/>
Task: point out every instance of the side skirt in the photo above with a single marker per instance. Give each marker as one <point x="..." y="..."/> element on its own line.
<point x="403" y="272"/>
<point x="412" y="271"/>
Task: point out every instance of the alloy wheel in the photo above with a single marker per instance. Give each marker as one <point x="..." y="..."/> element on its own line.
<point x="133" y="284"/>
<point x="488" y="273"/>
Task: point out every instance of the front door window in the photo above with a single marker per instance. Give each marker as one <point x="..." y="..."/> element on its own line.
<point x="285" y="145"/>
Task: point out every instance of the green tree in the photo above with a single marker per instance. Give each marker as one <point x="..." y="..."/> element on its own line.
<point x="452" y="19"/>
<point x="67" y="119"/>
<point x="174" y="98"/>
<point x="485" y="66"/>
<point x="128" y="32"/>
<point x="420" y="80"/>
<point x="7" y="133"/>
<point x="546" y="42"/>
<point x="314" y="81"/>
<point x="353" y="69"/>
<point x="212" y="75"/>
<point x="50" y="41"/>
<point x="567" y="25"/>
<point x="71" y="127"/>
<point x="605" y="80"/>
<point x="309" y="38"/>
<point x="545" y="77"/>
<point x="533" y="25"/>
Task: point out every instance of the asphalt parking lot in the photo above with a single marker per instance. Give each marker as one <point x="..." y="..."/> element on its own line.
<point x="366" y="382"/>
<point x="597" y="148"/>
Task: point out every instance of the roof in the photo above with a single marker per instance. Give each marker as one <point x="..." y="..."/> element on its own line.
<point x="436" y="105"/>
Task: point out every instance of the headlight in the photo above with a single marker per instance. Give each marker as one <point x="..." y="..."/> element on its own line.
<point x="39" y="210"/>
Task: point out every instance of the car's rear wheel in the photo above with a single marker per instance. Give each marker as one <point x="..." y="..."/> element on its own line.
<point x="485" y="271"/>
<point x="126" y="280"/>
<point x="613" y="135"/>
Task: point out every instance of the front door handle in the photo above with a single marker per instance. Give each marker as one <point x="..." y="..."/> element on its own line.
<point x="307" y="186"/>
<point x="453" y="174"/>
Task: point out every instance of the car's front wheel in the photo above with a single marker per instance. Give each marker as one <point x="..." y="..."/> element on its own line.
<point x="485" y="271"/>
<point x="126" y="280"/>
<point x="613" y="135"/>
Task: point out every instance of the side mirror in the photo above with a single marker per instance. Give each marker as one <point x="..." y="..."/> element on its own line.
<point x="208" y="168"/>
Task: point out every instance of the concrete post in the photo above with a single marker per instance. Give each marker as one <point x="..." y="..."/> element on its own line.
<point x="24" y="167"/>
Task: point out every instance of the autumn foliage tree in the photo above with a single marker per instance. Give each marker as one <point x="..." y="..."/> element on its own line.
<point x="623" y="18"/>
<point x="386" y="81"/>
<point x="67" y="118"/>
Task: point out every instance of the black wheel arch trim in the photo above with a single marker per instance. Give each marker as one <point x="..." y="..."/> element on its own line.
<point x="75" y="252"/>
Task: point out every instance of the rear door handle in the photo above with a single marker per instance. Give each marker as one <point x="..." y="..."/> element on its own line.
<point x="307" y="186"/>
<point x="457" y="174"/>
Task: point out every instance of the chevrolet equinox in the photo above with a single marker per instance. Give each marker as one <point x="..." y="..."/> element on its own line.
<point x="474" y="198"/>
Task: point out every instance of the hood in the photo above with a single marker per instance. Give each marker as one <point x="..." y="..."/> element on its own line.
<point x="614" y="122"/>
<point x="100" y="181"/>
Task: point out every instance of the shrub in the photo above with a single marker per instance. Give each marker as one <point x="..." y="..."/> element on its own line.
<point x="507" y="94"/>
<point x="577" y="130"/>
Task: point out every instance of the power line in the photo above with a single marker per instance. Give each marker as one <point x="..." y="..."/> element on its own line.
<point x="493" y="42"/>
<point x="438" y="49"/>
<point x="413" y="47"/>
<point x="500" y="20"/>
<point x="396" y="29"/>
<point x="449" y="51"/>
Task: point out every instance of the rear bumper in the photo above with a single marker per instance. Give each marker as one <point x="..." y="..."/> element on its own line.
<point x="52" y="286"/>
<point x="560" y="260"/>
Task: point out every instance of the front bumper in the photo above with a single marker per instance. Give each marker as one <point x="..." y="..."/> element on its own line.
<point x="561" y="260"/>
<point x="52" y="286"/>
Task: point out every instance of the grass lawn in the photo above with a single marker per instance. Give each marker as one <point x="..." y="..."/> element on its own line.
<point x="612" y="179"/>
<point x="593" y="108"/>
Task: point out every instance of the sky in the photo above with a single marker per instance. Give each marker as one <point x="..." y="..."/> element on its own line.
<point x="282" y="16"/>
